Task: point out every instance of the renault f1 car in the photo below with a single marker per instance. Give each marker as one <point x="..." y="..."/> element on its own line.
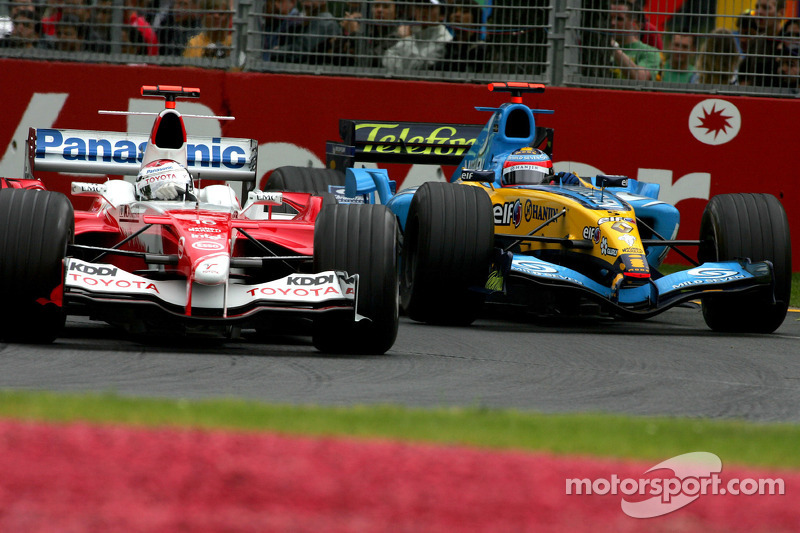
<point x="592" y="248"/>
<point x="197" y="263"/>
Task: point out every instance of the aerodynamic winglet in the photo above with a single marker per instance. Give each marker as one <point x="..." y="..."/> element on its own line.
<point x="170" y="93"/>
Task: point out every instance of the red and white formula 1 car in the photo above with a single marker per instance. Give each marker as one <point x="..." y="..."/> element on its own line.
<point x="193" y="260"/>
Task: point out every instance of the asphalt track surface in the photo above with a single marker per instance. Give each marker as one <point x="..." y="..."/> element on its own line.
<point x="669" y="365"/>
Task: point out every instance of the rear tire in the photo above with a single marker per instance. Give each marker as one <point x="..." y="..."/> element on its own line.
<point x="359" y="239"/>
<point x="303" y="179"/>
<point x="447" y="249"/>
<point x="35" y="228"/>
<point x="754" y="226"/>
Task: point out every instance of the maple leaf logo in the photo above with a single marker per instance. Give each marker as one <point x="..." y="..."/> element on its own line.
<point x="714" y="121"/>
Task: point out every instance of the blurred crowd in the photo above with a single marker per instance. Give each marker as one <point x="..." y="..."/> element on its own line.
<point x="762" y="51"/>
<point x="139" y="27"/>
<point x="413" y="36"/>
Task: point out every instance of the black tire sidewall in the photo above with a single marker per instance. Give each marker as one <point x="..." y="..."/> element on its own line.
<point x="447" y="249"/>
<point x="360" y="239"/>
<point x="35" y="228"/>
<point x="303" y="179"/>
<point x="753" y="226"/>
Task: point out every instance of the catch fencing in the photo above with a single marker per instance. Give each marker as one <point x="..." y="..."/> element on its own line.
<point x="567" y="43"/>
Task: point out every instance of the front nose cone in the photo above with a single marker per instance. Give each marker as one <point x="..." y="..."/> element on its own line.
<point x="213" y="270"/>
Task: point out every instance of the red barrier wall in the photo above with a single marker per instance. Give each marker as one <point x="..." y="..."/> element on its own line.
<point x="696" y="146"/>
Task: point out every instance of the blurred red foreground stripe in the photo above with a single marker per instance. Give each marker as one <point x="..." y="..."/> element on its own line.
<point x="86" y="478"/>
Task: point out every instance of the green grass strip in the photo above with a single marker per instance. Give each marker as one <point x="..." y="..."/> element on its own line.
<point x="601" y="435"/>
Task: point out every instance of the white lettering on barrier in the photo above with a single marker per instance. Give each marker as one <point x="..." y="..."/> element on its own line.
<point x="42" y="110"/>
<point x="692" y="185"/>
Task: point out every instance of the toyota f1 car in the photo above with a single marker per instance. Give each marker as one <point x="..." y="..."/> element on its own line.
<point x="196" y="263"/>
<point x="594" y="247"/>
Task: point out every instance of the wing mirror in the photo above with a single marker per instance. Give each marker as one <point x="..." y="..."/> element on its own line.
<point x="477" y="175"/>
<point x="603" y="180"/>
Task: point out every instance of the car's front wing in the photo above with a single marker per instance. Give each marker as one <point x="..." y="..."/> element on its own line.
<point x="651" y="298"/>
<point x="93" y="288"/>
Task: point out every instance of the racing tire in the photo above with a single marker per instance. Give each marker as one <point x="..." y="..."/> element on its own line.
<point x="35" y="229"/>
<point x="303" y="179"/>
<point x="363" y="240"/>
<point x="753" y="226"/>
<point x="447" y="249"/>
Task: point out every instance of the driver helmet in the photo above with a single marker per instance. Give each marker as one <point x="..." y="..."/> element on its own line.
<point x="527" y="166"/>
<point x="164" y="179"/>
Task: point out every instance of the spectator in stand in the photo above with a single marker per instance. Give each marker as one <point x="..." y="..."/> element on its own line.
<point x="718" y="60"/>
<point x="427" y="43"/>
<point x="216" y="39"/>
<point x="790" y="30"/>
<point x="71" y="34"/>
<point x="80" y="9"/>
<point x="22" y="5"/>
<point x="55" y="11"/>
<point x="314" y="40"/>
<point x="281" y="21"/>
<point x="7" y="22"/>
<point x="387" y="24"/>
<point x="179" y="24"/>
<point x="786" y="60"/>
<point x="789" y="67"/>
<point x="517" y="37"/>
<point x="789" y="34"/>
<point x="133" y="42"/>
<point x="679" y="67"/>
<point x="466" y="52"/>
<point x="650" y="34"/>
<point x="101" y="24"/>
<point x="745" y="28"/>
<point x="760" y="64"/>
<point x="134" y="17"/>
<point x="768" y="15"/>
<point x="52" y="14"/>
<point x="364" y="41"/>
<point x="632" y="58"/>
<point x="25" y="30"/>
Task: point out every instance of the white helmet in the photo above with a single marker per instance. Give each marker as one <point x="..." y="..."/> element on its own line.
<point x="164" y="179"/>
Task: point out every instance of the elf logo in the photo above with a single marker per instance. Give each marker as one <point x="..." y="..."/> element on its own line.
<point x="507" y="213"/>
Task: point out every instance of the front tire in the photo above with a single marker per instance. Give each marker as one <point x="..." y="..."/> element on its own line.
<point x="754" y="226"/>
<point x="359" y="239"/>
<point x="35" y="228"/>
<point x="447" y="249"/>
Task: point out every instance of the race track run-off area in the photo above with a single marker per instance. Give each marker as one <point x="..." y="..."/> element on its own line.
<point x="86" y="478"/>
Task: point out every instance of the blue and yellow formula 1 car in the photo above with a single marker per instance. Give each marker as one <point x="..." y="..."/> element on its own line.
<point x="508" y="230"/>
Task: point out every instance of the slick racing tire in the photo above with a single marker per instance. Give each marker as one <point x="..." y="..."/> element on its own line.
<point x="363" y="240"/>
<point x="35" y="228"/>
<point x="447" y="247"/>
<point x="303" y="179"/>
<point x="752" y="226"/>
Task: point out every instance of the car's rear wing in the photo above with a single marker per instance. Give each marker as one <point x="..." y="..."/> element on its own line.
<point x="409" y="142"/>
<point x="103" y="152"/>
